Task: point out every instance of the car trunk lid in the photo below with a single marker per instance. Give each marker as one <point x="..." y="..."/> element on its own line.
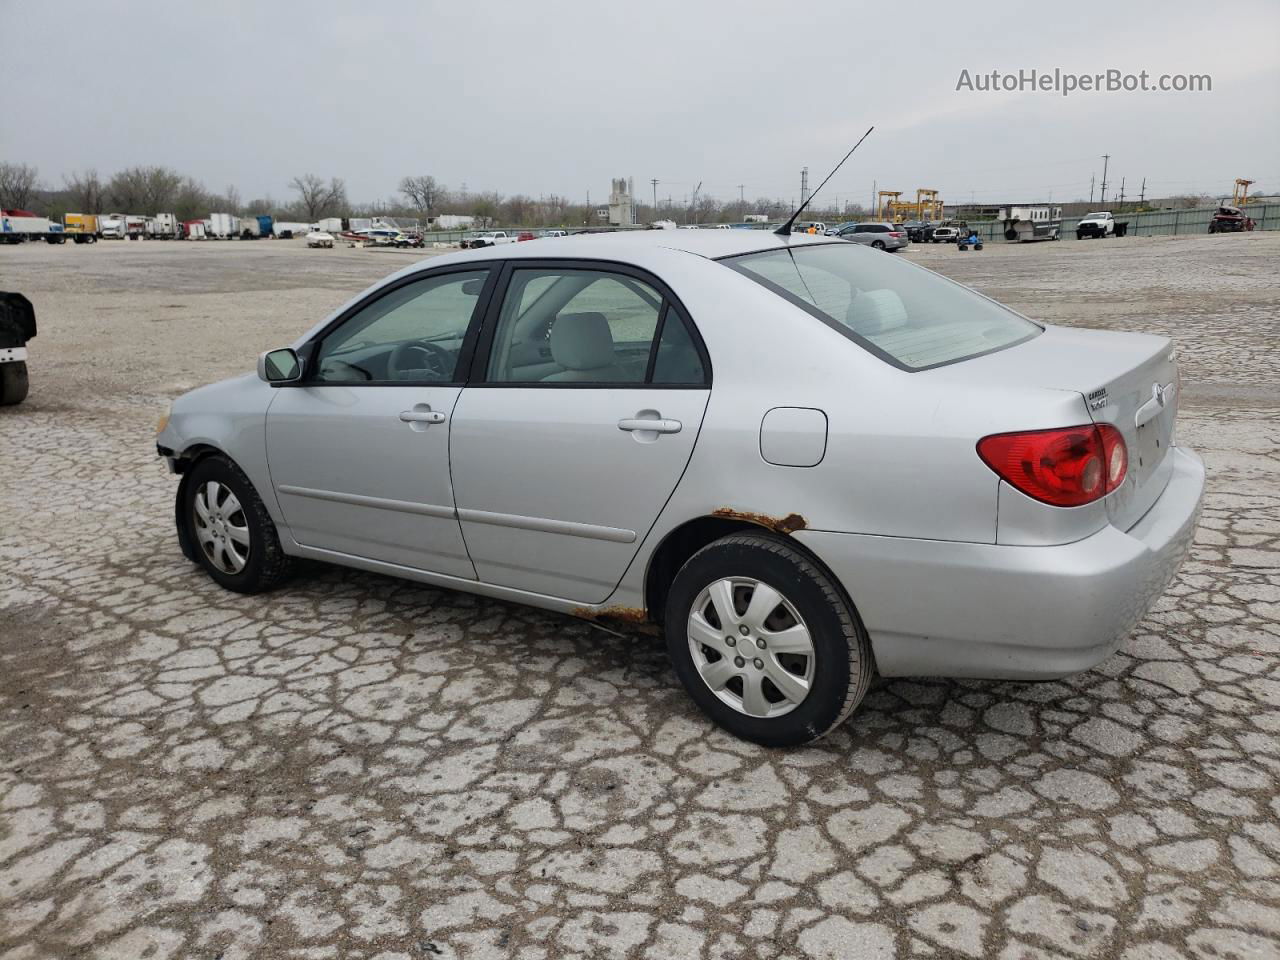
<point x="1142" y="403"/>
<point x="1128" y="380"/>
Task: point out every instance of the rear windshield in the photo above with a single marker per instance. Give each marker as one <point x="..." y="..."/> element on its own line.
<point x="911" y="317"/>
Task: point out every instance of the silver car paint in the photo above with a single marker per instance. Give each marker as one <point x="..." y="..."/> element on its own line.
<point x="350" y="475"/>
<point x="899" y="477"/>
<point x="554" y="497"/>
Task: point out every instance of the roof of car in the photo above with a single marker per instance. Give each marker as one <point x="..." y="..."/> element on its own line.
<point x="703" y="243"/>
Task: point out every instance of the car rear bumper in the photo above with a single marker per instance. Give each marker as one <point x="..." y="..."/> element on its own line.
<point x="941" y="608"/>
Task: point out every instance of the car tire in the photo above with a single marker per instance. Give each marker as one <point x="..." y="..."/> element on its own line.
<point x="826" y="681"/>
<point x="14" y="384"/>
<point x="877" y="244"/>
<point x="229" y="529"/>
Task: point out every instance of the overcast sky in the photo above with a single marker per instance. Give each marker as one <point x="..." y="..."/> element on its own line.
<point x="558" y="96"/>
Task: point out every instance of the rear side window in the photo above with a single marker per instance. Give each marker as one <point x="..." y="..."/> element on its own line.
<point x="906" y="315"/>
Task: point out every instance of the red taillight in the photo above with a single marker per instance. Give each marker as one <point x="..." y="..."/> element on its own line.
<point x="1067" y="467"/>
<point x="896" y="233"/>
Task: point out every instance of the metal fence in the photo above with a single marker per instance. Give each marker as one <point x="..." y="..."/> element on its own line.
<point x="1155" y="223"/>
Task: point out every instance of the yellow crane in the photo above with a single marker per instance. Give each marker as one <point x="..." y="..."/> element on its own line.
<point x="886" y="200"/>
<point x="1240" y="196"/>
<point x="926" y="206"/>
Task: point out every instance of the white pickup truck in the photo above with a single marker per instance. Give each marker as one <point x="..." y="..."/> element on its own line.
<point x="1101" y="224"/>
<point x="489" y="239"/>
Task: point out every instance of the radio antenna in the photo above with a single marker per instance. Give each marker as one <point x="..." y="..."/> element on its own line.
<point x="785" y="229"/>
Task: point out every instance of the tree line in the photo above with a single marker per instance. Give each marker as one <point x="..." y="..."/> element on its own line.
<point x="158" y="189"/>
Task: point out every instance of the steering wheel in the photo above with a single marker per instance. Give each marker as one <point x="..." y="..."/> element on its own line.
<point x="419" y="355"/>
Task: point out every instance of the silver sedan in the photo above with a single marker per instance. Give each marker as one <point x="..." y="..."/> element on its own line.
<point x="802" y="460"/>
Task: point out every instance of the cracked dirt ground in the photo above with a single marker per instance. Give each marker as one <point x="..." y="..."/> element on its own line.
<point x="356" y="767"/>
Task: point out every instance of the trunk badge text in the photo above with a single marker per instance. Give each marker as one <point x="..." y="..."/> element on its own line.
<point x="1098" y="399"/>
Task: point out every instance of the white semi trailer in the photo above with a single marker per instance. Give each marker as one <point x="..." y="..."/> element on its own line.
<point x="19" y="226"/>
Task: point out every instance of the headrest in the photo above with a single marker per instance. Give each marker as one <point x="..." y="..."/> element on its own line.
<point x="582" y="341"/>
<point x="876" y="311"/>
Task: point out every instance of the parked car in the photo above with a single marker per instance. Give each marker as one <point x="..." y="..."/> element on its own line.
<point x="949" y="231"/>
<point x="320" y="238"/>
<point x="811" y="462"/>
<point x="1229" y="219"/>
<point x="526" y="235"/>
<point x="1100" y="224"/>
<point x="918" y="231"/>
<point x="555" y="233"/>
<point x="490" y="239"/>
<point x="881" y="236"/>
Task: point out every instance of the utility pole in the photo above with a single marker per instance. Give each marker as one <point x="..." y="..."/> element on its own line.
<point x="804" y="184"/>
<point x="875" y="210"/>
<point x="1092" y="176"/>
<point x="654" y="181"/>
<point x="742" y="201"/>
<point x="1106" y="158"/>
<point x="1142" y="197"/>
<point x="1122" y="193"/>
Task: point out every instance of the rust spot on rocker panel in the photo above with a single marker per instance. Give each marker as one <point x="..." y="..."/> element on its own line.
<point x="787" y="525"/>
<point x="631" y="616"/>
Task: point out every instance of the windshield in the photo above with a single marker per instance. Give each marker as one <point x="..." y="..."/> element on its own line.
<point x="911" y="317"/>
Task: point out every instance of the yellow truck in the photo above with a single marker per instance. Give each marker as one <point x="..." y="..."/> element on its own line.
<point x="82" y="227"/>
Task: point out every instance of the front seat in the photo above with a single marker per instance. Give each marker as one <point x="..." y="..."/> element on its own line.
<point x="582" y="344"/>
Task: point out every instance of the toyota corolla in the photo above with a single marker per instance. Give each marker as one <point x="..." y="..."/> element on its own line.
<point x="804" y="461"/>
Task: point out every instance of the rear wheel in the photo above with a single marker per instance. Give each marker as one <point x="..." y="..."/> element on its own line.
<point x="233" y="535"/>
<point x="765" y="642"/>
<point x="877" y="244"/>
<point x="14" y="384"/>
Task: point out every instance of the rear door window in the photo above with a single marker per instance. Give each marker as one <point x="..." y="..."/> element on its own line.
<point x="575" y="326"/>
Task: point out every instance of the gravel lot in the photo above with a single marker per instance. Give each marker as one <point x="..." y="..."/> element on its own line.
<point x="357" y="767"/>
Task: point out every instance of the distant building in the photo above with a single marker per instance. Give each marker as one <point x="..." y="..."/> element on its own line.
<point x="452" y="221"/>
<point x="622" y="204"/>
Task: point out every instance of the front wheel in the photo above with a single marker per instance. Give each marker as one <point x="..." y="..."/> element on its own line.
<point x="765" y="642"/>
<point x="229" y="528"/>
<point x="877" y="244"/>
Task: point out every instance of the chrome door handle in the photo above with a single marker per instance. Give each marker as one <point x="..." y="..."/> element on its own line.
<point x="653" y="426"/>
<point x="422" y="416"/>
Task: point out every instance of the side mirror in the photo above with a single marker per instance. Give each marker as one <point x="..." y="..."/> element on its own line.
<point x="280" y="366"/>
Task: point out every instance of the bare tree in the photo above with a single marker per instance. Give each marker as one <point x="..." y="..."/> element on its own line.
<point x="423" y="192"/>
<point x="260" y="206"/>
<point x="191" y="202"/>
<point x="84" y="191"/>
<point x="18" y="185"/>
<point x="145" y="189"/>
<point x="318" y="198"/>
<point x="232" y="197"/>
